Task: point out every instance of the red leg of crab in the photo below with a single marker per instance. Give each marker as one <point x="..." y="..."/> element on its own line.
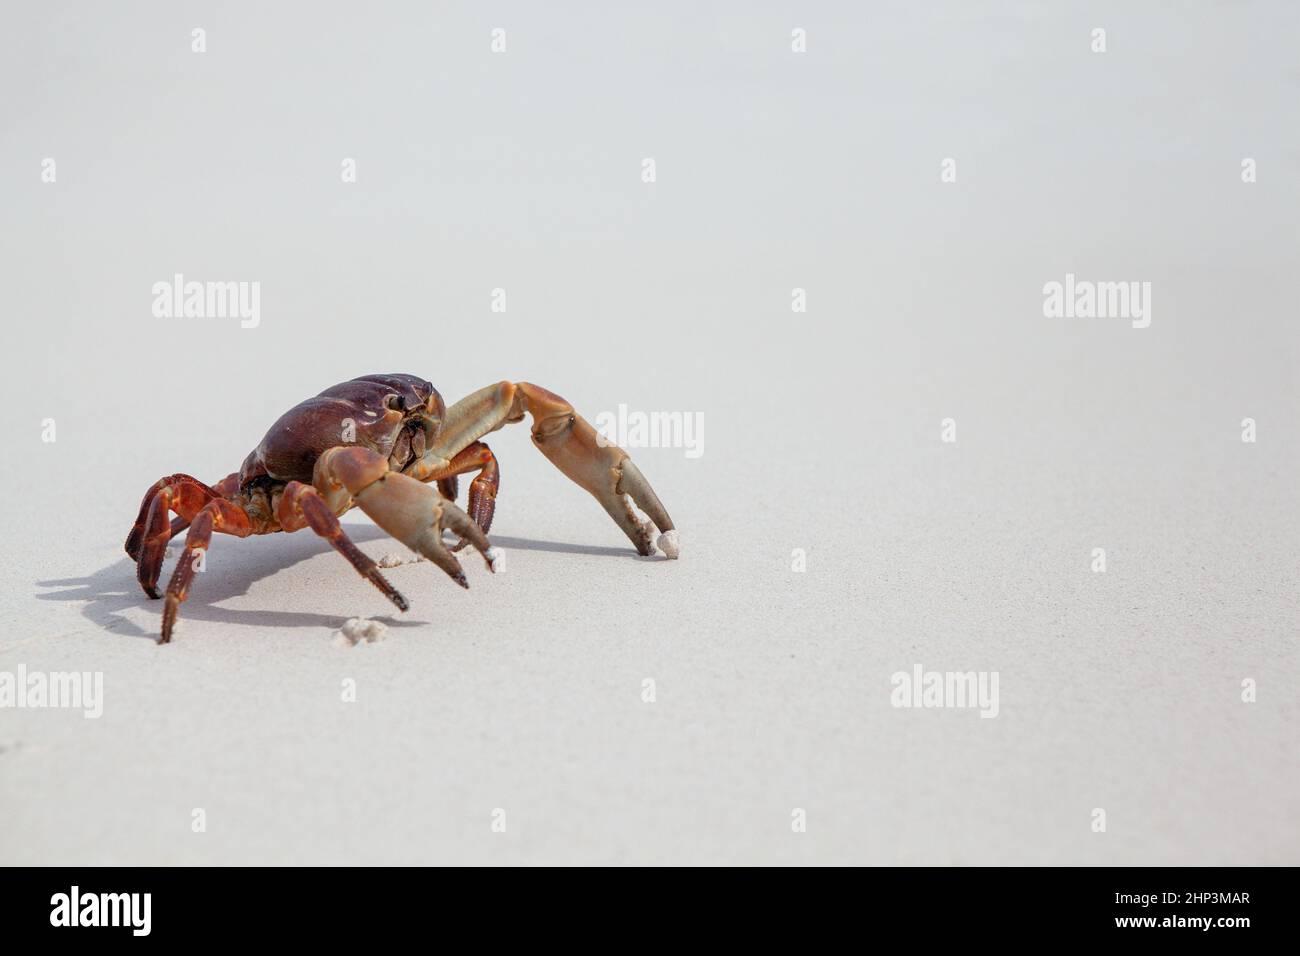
<point x="225" y="488"/>
<point x="147" y="542"/>
<point x="135" y="539"/>
<point x="302" y="506"/>
<point x="482" y="490"/>
<point x="217" y="515"/>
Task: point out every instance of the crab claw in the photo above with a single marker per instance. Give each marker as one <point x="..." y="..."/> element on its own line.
<point x="604" y="469"/>
<point x="415" y="514"/>
<point x="633" y="484"/>
<point x="411" y="511"/>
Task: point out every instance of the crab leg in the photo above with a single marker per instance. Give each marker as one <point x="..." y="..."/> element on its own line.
<point x="225" y="488"/>
<point x="482" y="490"/>
<point x="302" y="506"/>
<point x="147" y="542"/>
<point x="217" y="515"/>
<point x="412" y="512"/>
<point x="168" y="486"/>
<point x="570" y="442"/>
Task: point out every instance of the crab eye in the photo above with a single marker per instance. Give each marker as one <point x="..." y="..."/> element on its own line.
<point x="395" y="402"/>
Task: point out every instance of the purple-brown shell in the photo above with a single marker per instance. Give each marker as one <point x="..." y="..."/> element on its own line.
<point x="393" y="415"/>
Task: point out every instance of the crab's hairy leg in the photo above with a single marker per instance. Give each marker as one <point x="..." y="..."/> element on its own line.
<point x="571" y="444"/>
<point x="412" y="512"/>
<point x="217" y="515"/>
<point x="302" y="506"/>
<point x="179" y="493"/>
<point x="482" y="490"/>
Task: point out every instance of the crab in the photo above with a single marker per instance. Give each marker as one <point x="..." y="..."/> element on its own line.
<point x="373" y="443"/>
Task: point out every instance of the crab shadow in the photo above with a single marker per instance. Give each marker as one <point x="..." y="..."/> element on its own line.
<point x="109" y="592"/>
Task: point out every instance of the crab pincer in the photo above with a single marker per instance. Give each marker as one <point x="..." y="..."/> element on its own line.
<point x="412" y="512"/>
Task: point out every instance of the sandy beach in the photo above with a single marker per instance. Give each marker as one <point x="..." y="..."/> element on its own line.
<point x="912" y="465"/>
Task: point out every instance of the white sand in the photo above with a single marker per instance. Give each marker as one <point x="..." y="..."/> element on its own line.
<point x="770" y="687"/>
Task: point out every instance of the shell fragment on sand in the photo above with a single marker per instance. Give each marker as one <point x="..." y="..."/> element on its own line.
<point x="359" y="630"/>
